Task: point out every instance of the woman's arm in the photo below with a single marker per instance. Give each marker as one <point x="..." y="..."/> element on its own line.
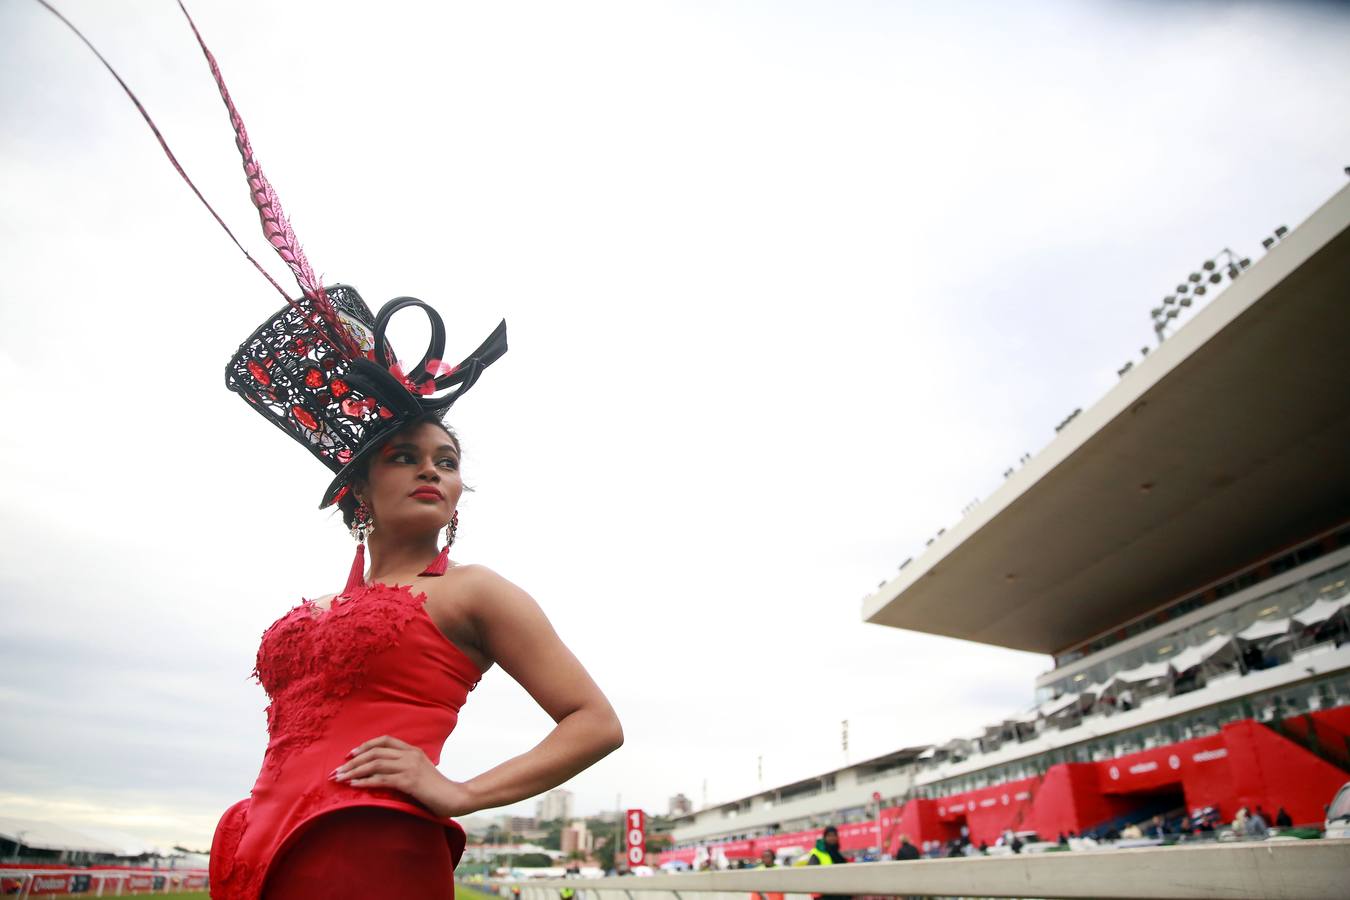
<point x="513" y="631"/>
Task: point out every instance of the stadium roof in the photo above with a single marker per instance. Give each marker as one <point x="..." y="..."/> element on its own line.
<point x="38" y="835"/>
<point x="872" y="764"/>
<point x="1224" y="444"/>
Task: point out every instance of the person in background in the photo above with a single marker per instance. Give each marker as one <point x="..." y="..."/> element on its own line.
<point x="1256" y="826"/>
<point x="1282" y="819"/>
<point x="826" y="853"/>
<point x="767" y="860"/>
<point x="906" y="850"/>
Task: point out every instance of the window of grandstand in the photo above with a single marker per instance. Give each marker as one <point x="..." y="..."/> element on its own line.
<point x="1268" y="568"/>
<point x="1264" y="631"/>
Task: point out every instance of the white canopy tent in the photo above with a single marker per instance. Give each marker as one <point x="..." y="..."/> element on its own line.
<point x="1193" y="656"/>
<point x="1322" y="609"/>
<point x="1140" y="674"/>
<point x="1059" y="704"/>
<point x="1264" y="628"/>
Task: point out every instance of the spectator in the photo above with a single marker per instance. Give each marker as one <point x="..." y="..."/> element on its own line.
<point x="1158" y="829"/>
<point x="826" y="853"/>
<point x="1256" y="826"/>
<point x="1240" y="822"/>
<point x="906" y="850"/>
<point x="767" y="860"/>
<point x="1282" y="819"/>
<point x="1132" y="832"/>
<point x="1016" y="844"/>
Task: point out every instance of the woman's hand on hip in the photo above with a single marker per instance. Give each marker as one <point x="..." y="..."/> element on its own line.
<point x="387" y="762"/>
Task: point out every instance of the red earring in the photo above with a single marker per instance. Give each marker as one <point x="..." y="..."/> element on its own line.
<point x="442" y="560"/>
<point x="363" y="523"/>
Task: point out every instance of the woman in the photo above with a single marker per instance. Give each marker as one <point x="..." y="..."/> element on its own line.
<point x="367" y="684"/>
<point x="356" y="768"/>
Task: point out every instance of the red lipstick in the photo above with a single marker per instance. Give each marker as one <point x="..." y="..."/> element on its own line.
<point x="427" y="493"/>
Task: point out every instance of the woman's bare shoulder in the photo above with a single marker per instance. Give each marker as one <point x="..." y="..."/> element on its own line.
<point x="478" y="583"/>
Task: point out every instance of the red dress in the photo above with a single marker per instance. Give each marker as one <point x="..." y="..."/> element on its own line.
<point x="372" y="664"/>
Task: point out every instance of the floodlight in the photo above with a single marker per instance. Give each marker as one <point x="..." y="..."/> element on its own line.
<point x="1169" y="300"/>
<point x="1215" y="278"/>
<point x="1157" y="311"/>
<point x="1233" y="272"/>
<point x="1281" y="231"/>
<point x="1182" y="288"/>
<point x="1267" y="242"/>
<point x="1244" y="262"/>
<point x="1194" y="278"/>
<point x="1208" y="266"/>
<point x="1200" y="291"/>
<point x="1186" y="301"/>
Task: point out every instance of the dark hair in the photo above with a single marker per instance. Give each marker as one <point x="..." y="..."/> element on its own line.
<point x="348" y="503"/>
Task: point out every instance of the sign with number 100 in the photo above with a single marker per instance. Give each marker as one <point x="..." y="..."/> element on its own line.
<point x="636" y="839"/>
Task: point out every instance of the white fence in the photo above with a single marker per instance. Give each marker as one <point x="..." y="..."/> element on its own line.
<point x="1271" y="870"/>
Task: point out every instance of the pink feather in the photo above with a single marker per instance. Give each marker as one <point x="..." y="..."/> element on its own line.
<point x="276" y="227"/>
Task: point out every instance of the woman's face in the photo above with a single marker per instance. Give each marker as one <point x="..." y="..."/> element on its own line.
<point x="414" y="482"/>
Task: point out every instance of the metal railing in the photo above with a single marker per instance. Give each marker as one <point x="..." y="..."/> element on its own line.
<point x="1270" y="870"/>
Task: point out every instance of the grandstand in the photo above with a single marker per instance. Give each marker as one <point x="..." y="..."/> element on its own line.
<point x="1181" y="550"/>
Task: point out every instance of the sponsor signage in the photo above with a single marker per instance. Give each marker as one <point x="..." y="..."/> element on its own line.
<point x="635" y="838"/>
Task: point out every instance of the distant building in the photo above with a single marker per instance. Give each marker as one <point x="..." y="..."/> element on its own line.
<point x="509" y="824"/>
<point x="555" y="805"/>
<point x="577" y="838"/>
<point x="680" y="805"/>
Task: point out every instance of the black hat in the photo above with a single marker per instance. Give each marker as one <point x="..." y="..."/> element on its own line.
<point x="332" y="382"/>
<point x="321" y="368"/>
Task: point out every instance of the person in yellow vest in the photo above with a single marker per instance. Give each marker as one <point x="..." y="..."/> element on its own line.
<point x="767" y="860"/>
<point x="567" y="893"/>
<point x="826" y="853"/>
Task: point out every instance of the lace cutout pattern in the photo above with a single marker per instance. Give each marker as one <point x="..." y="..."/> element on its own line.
<point x="311" y="659"/>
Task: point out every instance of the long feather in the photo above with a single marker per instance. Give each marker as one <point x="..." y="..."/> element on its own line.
<point x="276" y="227"/>
<point x="164" y="145"/>
<point x="346" y="343"/>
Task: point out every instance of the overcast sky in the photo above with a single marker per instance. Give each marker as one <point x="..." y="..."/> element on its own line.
<point x="788" y="286"/>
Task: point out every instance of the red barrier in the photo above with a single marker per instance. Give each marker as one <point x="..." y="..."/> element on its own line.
<point x="1247" y="764"/>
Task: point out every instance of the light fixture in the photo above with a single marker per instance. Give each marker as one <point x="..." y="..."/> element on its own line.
<point x="1185" y="301"/>
<point x="1268" y="242"/>
<point x="1281" y="232"/>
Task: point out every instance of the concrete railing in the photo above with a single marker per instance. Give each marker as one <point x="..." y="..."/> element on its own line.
<point x="1270" y="870"/>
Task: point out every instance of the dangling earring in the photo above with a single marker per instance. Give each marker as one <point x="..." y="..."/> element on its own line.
<point x="442" y="560"/>
<point x="363" y="525"/>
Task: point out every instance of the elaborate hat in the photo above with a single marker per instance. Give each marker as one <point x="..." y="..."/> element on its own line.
<point x="297" y="374"/>
<point x="321" y="368"/>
